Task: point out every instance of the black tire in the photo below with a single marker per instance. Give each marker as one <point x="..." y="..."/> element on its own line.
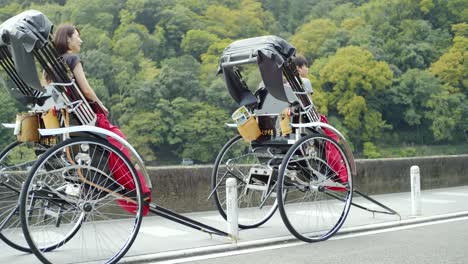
<point x="71" y="194"/>
<point x="15" y="159"/>
<point x="250" y="213"/>
<point x="315" y="188"/>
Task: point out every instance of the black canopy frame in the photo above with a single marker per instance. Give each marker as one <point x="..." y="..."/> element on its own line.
<point x="25" y="39"/>
<point x="273" y="55"/>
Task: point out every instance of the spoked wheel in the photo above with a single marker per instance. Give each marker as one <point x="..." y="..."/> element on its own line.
<point x="15" y="161"/>
<point x="256" y="204"/>
<point x="84" y="196"/>
<point x="315" y="188"/>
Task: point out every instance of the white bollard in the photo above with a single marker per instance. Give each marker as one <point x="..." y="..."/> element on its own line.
<point x="415" y="191"/>
<point x="231" y="208"/>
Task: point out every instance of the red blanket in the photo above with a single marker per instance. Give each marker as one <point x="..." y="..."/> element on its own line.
<point x="334" y="157"/>
<point x="118" y="169"/>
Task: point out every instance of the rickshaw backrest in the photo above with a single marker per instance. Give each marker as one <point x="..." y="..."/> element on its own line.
<point x="20" y="35"/>
<point x="270" y="105"/>
<point x="22" y="91"/>
<point x="269" y="52"/>
<point x="273" y="56"/>
<point x="238" y="89"/>
<point x="26" y="39"/>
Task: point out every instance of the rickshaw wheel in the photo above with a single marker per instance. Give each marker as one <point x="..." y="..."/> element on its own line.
<point x="315" y="188"/>
<point x="15" y="160"/>
<point x="236" y="160"/>
<point x="84" y="196"/>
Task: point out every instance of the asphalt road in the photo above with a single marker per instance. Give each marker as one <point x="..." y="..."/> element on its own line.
<point x="430" y="243"/>
<point x="160" y="239"/>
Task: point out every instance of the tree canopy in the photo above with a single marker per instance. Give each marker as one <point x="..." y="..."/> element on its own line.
<point x="383" y="71"/>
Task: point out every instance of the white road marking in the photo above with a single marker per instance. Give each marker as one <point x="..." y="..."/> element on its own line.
<point x="159" y="231"/>
<point x="317" y="213"/>
<point x="214" y="218"/>
<point x="437" y="201"/>
<point x="433" y="201"/>
<point x="336" y="237"/>
<point x="219" y="218"/>
<point x="453" y="194"/>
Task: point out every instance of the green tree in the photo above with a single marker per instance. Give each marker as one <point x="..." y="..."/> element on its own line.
<point x="150" y="14"/>
<point x="363" y="35"/>
<point x="197" y="131"/>
<point x="344" y="11"/>
<point x="100" y="88"/>
<point x="146" y="131"/>
<point x="213" y="84"/>
<point x="311" y="36"/>
<point x="449" y="111"/>
<point x="383" y="12"/>
<point x="154" y="47"/>
<point x="95" y="39"/>
<point x="175" y="22"/>
<point x="137" y="52"/>
<point x="123" y="73"/>
<point x="352" y="80"/>
<point x="210" y="60"/>
<point x="9" y="10"/>
<point x="179" y="129"/>
<point x="179" y="77"/>
<point x="7" y="115"/>
<point x="370" y="150"/>
<point x="410" y="97"/>
<point x="324" y="8"/>
<point x="448" y="115"/>
<point x="451" y="67"/>
<point x="417" y="45"/>
<point x="99" y="13"/>
<point x="57" y="13"/>
<point x="248" y="20"/>
<point x="197" y="41"/>
<point x="98" y="65"/>
<point x="128" y="39"/>
<point x="459" y="10"/>
<point x="289" y="14"/>
<point x="200" y="129"/>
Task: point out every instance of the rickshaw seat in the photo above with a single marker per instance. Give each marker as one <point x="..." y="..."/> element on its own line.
<point x="40" y="100"/>
<point x="268" y="104"/>
<point x="261" y="94"/>
<point x="249" y="100"/>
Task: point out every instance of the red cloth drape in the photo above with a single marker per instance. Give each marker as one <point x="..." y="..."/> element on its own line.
<point x="333" y="155"/>
<point x="118" y="169"/>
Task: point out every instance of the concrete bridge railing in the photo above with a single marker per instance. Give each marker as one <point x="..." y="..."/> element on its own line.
<point x="185" y="189"/>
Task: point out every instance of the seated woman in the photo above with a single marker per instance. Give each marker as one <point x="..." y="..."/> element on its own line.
<point x="67" y="41"/>
<point x="303" y="69"/>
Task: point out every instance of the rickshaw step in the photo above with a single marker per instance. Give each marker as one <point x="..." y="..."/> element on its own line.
<point x="261" y="179"/>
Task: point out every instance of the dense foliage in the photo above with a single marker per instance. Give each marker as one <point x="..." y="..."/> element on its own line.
<point x="384" y="71"/>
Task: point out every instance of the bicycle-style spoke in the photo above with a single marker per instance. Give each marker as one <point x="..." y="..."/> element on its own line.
<point x="78" y="198"/>
<point x="316" y="178"/>
<point x="15" y="161"/>
<point x="236" y="160"/>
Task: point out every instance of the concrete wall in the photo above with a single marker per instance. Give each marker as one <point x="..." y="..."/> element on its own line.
<point x="185" y="189"/>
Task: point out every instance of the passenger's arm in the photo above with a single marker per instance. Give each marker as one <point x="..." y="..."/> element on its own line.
<point x="86" y="89"/>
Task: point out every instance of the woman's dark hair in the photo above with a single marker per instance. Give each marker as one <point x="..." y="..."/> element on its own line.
<point x="300" y="61"/>
<point x="61" y="36"/>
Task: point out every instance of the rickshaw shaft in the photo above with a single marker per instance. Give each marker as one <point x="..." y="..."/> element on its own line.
<point x="178" y="218"/>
